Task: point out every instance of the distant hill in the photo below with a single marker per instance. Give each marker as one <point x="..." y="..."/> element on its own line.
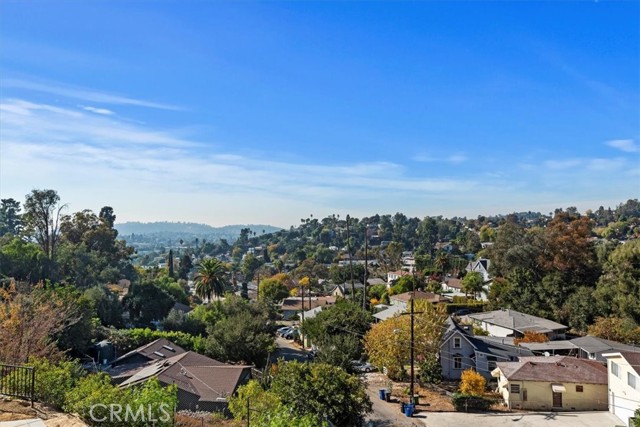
<point x="187" y="229"/>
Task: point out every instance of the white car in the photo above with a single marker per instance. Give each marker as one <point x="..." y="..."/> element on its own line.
<point x="360" y="366"/>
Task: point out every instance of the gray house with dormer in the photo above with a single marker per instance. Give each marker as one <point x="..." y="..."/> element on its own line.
<point x="461" y="350"/>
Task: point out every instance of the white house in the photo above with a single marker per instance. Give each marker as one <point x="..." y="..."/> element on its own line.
<point x="480" y="266"/>
<point x="623" y="370"/>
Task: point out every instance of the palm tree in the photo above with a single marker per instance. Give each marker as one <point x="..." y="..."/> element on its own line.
<point x="211" y="278"/>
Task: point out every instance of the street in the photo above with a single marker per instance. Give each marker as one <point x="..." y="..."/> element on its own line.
<point x="288" y="351"/>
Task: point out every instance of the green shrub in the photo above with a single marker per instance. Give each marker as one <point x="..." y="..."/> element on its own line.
<point x="430" y="370"/>
<point x="474" y="307"/>
<point x="94" y="397"/>
<point x="95" y="390"/>
<point x="466" y="402"/>
<point x="52" y="380"/>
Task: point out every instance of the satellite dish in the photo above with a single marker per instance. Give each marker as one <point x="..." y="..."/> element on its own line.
<point x="547" y="354"/>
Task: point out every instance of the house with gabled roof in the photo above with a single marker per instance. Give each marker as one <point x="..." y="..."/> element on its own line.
<point x="159" y="349"/>
<point x="594" y="348"/>
<point x="511" y="323"/>
<point x="623" y="374"/>
<point x="480" y="266"/>
<point x="461" y="350"/>
<point x="203" y="384"/>
<point x="404" y="298"/>
<point x="558" y="383"/>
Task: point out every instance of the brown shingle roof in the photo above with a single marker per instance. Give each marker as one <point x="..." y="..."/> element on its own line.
<point x="429" y="296"/>
<point x="202" y="376"/>
<point x="155" y="350"/>
<point x="555" y="368"/>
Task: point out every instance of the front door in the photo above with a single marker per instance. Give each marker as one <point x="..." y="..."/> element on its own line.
<point x="557" y="400"/>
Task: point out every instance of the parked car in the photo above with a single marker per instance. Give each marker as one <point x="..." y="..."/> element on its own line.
<point x="360" y="366"/>
<point x="462" y="312"/>
<point x="291" y="335"/>
<point x="284" y="331"/>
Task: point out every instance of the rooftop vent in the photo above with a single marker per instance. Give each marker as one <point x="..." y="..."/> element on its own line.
<point x="157" y="353"/>
<point x="168" y="348"/>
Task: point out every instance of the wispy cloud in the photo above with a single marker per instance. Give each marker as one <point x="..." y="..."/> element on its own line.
<point x="102" y="158"/>
<point x="83" y="94"/>
<point x="454" y="158"/>
<point x="97" y="110"/>
<point x="563" y="164"/>
<point x="626" y="145"/>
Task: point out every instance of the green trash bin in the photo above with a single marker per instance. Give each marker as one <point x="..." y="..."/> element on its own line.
<point x="416" y="399"/>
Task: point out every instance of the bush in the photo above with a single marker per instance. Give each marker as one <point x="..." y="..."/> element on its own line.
<point x="94" y="394"/>
<point x="474" y="307"/>
<point x="467" y="402"/>
<point x="472" y="383"/>
<point x="430" y="370"/>
<point x="52" y="380"/>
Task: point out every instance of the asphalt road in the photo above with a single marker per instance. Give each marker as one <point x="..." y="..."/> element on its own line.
<point x="288" y="351"/>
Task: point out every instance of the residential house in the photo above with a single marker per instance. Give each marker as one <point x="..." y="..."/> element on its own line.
<point x="444" y="246"/>
<point x="480" y="266"/>
<point x="344" y="290"/>
<point x="594" y="348"/>
<point x="375" y="281"/>
<point x="511" y="323"/>
<point x="461" y="350"/>
<point x="389" y="312"/>
<point x="392" y="276"/>
<point x="451" y="284"/>
<point x="623" y="372"/>
<point x="404" y="298"/>
<point x="204" y="384"/>
<point x="181" y="308"/>
<point x="293" y="306"/>
<point x="558" y="383"/>
<point x="156" y="350"/>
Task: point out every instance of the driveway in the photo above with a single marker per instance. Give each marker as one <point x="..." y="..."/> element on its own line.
<point x="521" y="419"/>
<point x="288" y="351"/>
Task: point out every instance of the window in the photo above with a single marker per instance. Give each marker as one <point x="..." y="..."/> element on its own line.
<point x="457" y="362"/>
<point x="491" y="363"/>
<point x="457" y="342"/>
<point x="579" y="389"/>
<point x="515" y="388"/>
<point x="614" y="369"/>
<point x="631" y="380"/>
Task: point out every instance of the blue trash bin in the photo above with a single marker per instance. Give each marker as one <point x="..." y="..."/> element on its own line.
<point x="382" y="392"/>
<point x="408" y="409"/>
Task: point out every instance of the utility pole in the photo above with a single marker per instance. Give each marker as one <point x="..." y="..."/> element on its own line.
<point x="366" y="270"/>
<point x="302" y="314"/>
<point x="353" y="286"/>
<point x="413" y="297"/>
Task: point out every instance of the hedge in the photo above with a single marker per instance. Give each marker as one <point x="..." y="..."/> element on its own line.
<point x="474" y="307"/>
<point x="467" y="402"/>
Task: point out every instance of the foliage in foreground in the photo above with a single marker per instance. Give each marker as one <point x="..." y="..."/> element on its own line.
<point x="152" y="399"/>
<point x="467" y="402"/>
<point x="322" y="390"/>
<point x="388" y="343"/>
<point x="265" y="409"/>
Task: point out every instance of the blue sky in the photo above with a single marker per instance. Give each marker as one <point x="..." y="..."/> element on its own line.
<point x="266" y="112"/>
